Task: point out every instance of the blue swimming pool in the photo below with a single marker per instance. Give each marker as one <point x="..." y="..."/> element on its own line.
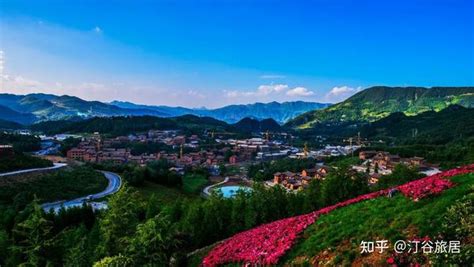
<point x="230" y="191"/>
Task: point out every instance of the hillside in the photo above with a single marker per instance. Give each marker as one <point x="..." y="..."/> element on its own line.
<point x="127" y="125"/>
<point x="334" y="240"/>
<point x="280" y="112"/>
<point x="378" y="102"/>
<point x="452" y="123"/>
<point x="7" y="114"/>
<point x="43" y="107"/>
<point x="430" y="127"/>
<point x="253" y="125"/>
<point x="445" y="137"/>
<point x="4" y="124"/>
<point x="423" y="209"/>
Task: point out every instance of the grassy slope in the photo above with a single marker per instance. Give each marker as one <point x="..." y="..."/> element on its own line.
<point x="378" y="102"/>
<point x="194" y="183"/>
<point x="340" y="232"/>
<point x="162" y="193"/>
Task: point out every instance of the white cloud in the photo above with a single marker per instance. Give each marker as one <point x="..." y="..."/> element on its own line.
<point x="262" y="91"/>
<point x="338" y="94"/>
<point x="268" y="89"/>
<point x="19" y="81"/>
<point x="97" y="30"/>
<point x="269" y="92"/>
<point x="299" y="91"/>
<point x="231" y="94"/>
<point x="194" y="93"/>
<point x="272" y="76"/>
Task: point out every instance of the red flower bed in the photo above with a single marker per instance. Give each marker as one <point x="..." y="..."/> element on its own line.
<point x="265" y="244"/>
<point x="433" y="184"/>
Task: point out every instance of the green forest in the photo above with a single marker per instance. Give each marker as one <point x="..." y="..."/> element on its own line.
<point x="136" y="230"/>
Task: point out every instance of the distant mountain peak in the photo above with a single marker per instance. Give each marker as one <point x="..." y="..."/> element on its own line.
<point x="52" y="107"/>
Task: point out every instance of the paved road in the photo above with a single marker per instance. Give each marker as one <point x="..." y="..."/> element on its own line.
<point x="55" y="166"/>
<point x="115" y="182"/>
<point x="208" y="188"/>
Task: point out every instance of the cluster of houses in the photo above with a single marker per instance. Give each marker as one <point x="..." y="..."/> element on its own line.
<point x="299" y="181"/>
<point x="378" y="163"/>
<point x="374" y="164"/>
<point x="388" y="161"/>
<point x="248" y="149"/>
<point x="96" y="149"/>
<point x="264" y="150"/>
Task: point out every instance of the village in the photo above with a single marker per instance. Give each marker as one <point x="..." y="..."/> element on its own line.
<point x="374" y="165"/>
<point x="95" y="148"/>
<point x="193" y="151"/>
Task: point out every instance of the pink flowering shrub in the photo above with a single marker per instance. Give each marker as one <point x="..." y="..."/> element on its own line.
<point x="433" y="184"/>
<point x="265" y="244"/>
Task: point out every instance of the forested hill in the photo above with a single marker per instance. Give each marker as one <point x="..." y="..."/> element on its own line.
<point x="378" y="102"/>
<point x="31" y="108"/>
<point x="454" y="122"/>
<point x="9" y="116"/>
<point x="254" y="125"/>
<point x="126" y="125"/>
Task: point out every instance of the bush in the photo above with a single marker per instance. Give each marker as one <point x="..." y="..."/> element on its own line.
<point x="64" y="184"/>
<point x="458" y="225"/>
<point x="20" y="161"/>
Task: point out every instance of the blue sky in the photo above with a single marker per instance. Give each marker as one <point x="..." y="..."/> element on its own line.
<point x="214" y="53"/>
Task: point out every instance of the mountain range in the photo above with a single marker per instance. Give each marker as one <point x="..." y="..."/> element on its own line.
<point x="31" y="108"/>
<point x="368" y="105"/>
<point x="192" y="124"/>
<point x="379" y="102"/>
<point x="280" y="112"/>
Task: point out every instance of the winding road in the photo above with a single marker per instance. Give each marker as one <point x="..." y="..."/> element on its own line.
<point x="206" y="192"/>
<point x="115" y="182"/>
<point x="55" y="166"/>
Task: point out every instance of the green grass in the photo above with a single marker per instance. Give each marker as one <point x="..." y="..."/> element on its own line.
<point x="163" y="193"/>
<point x="194" y="183"/>
<point x="342" y="230"/>
<point x="382" y="218"/>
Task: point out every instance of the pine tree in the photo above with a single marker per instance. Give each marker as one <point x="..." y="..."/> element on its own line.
<point x="153" y="242"/>
<point x="119" y="221"/>
<point x="33" y="237"/>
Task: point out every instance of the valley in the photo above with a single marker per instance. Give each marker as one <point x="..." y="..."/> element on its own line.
<point x="174" y="170"/>
<point x="236" y="133"/>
